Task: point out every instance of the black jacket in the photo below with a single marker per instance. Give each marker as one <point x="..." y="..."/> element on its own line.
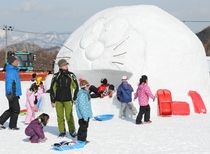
<point x="64" y="87"/>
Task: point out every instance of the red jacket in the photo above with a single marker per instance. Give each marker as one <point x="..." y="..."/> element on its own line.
<point x="102" y="88"/>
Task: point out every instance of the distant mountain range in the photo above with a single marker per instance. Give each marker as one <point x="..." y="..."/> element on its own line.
<point x="53" y="39"/>
<point x="44" y="40"/>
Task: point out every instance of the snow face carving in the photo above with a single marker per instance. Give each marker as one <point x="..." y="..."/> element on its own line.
<point x="137" y="40"/>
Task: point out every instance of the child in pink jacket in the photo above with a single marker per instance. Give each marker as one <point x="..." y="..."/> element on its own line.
<point x="31" y="100"/>
<point x="143" y="93"/>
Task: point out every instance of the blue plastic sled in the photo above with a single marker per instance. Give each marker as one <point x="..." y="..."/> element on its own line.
<point x="38" y="103"/>
<point x="79" y="144"/>
<point x="103" y="117"/>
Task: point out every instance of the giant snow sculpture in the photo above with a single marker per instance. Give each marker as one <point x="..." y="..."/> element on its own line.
<point x="137" y="40"/>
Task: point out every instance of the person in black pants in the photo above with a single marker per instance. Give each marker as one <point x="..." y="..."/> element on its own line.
<point x="84" y="110"/>
<point x="144" y="110"/>
<point x="13" y="93"/>
<point x="143" y="93"/>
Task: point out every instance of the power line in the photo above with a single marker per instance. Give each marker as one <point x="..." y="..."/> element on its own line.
<point x="21" y="31"/>
<point x="7" y="28"/>
<point x="195" y="21"/>
<point x="12" y="28"/>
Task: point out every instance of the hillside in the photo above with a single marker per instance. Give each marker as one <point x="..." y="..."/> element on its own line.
<point x="43" y="53"/>
<point x="204" y="36"/>
<point x="44" y="56"/>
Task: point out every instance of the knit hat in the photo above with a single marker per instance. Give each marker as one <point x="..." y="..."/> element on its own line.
<point x="104" y="81"/>
<point x="83" y="83"/>
<point x="111" y="87"/>
<point x="124" y="78"/>
<point x="11" y="59"/>
<point x="62" y="62"/>
<point x="33" y="75"/>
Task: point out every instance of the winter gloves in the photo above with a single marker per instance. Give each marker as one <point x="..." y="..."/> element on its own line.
<point x="118" y="98"/>
<point x="10" y="97"/>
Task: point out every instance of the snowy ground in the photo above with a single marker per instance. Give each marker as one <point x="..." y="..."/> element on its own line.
<point x="176" y="134"/>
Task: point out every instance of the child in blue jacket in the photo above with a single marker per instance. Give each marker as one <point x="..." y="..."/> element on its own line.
<point x="124" y="95"/>
<point x="83" y="109"/>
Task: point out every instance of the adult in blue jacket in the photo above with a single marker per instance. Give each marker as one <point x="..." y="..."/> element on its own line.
<point x="84" y="110"/>
<point x="124" y="95"/>
<point x="13" y="93"/>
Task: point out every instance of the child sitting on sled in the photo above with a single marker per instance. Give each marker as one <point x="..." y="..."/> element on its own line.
<point x="108" y="91"/>
<point x="35" y="128"/>
<point x="104" y="89"/>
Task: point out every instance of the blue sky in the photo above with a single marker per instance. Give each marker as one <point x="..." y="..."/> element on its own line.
<point x="67" y="15"/>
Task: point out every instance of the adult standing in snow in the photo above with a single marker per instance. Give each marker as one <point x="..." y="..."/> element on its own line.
<point x="53" y="64"/>
<point x="143" y="93"/>
<point x="63" y="92"/>
<point x="84" y="110"/>
<point x="13" y="93"/>
<point x="124" y="92"/>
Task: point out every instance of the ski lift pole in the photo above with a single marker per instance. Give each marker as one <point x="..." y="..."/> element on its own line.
<point x="6" y="28"/>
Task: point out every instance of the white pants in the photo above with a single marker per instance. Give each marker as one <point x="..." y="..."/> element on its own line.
<point x="130" y="106"/>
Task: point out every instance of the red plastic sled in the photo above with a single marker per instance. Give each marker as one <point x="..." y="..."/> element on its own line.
<point x="164" y="102"/>
<point x="23" y="110"/>
<point x="198" y="103"/>
<point x="180" y="108"/>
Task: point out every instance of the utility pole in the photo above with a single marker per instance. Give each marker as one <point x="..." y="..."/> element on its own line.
<point x="7" y="28"/>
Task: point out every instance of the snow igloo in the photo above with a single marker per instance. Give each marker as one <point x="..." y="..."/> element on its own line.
<point x="135" y="41"/>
